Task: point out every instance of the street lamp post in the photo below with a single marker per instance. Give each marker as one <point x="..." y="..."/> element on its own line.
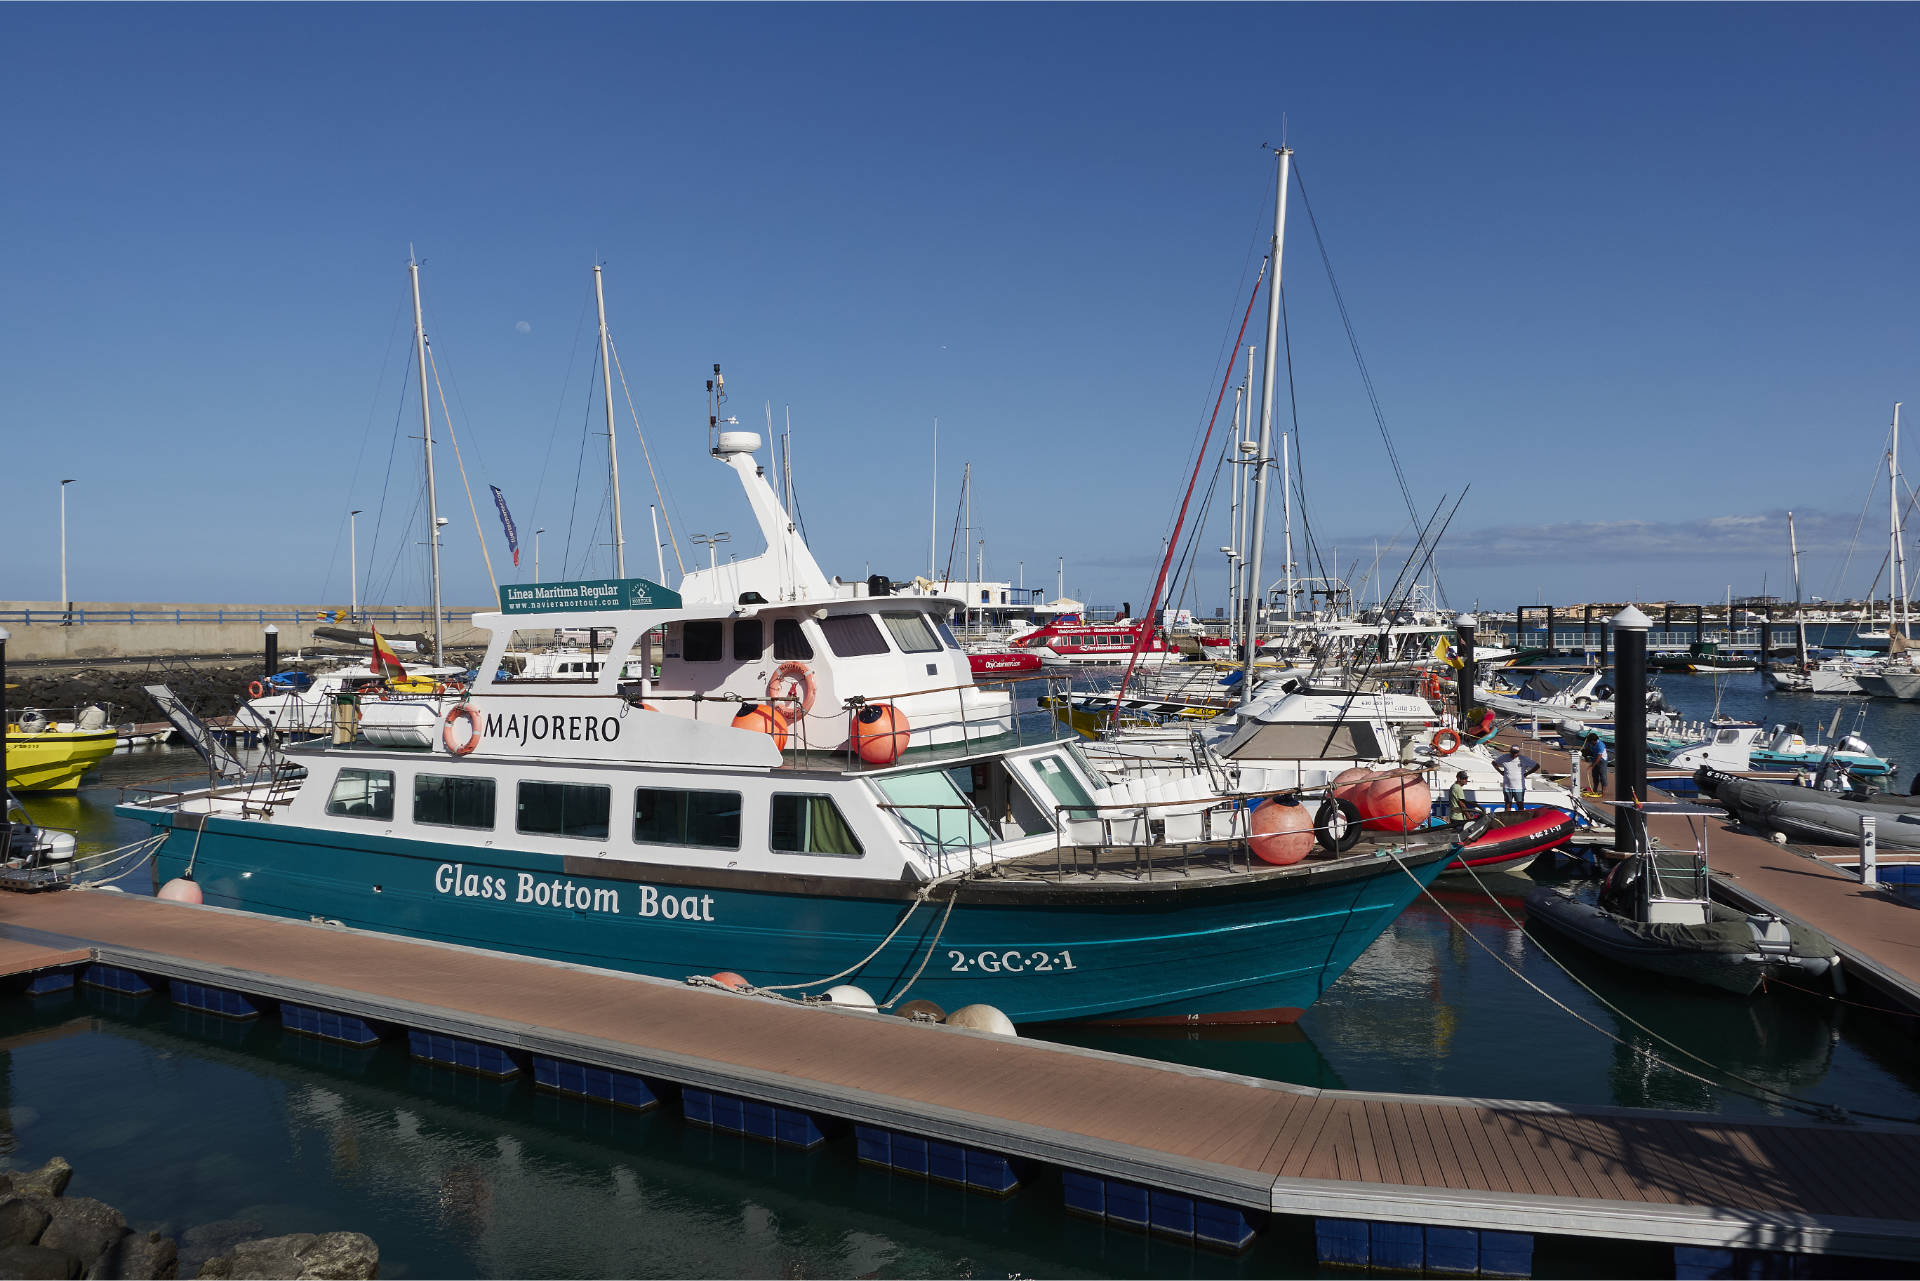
<point x="536" y="553"/>
<point x="353" y="556"/>
<point x="66" y="601"/>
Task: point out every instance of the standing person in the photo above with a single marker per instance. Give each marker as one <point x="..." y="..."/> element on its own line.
<point x="1597" y="756"/>
<point x="1514" y="769"/>
<point x="1459" y="808"/>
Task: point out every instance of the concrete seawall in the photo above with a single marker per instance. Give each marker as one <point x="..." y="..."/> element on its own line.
<point x="101" y="631"/>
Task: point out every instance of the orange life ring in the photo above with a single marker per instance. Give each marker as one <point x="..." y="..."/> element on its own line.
<point x="783" y="684"/>
<point x="256" y="689"/>
<point x="461" y="712"/>
<point x="1446" y="741"/>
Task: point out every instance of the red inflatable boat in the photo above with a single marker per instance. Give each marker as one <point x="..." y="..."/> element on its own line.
<point x="1003" y="664"/>
<point x="1512" y="838"/>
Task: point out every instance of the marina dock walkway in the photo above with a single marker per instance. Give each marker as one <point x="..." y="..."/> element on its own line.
<point x="1877" y="933"/>
<point x="1682" y="1178"/>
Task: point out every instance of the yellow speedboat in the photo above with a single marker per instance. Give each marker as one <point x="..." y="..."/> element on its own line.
<point x="46" y="757"/>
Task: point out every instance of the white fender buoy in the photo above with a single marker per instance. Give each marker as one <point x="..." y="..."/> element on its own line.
<point x="180" y="889"/>
<point x="982" y="1018"/>
<point x="850" y="996"/>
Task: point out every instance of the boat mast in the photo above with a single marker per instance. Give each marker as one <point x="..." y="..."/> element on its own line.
<point x="1234" y="549"/>
<point x="933" y="522"/>
<point x="426" y="433"/>
<point x="1899" y="544"/>
<point x="613" y="455"/>
<point x="1799" y="617"/>
<point x="1243" y="534"/>
<point x="1286" y="513"/>
<point x="1255" y="590"/>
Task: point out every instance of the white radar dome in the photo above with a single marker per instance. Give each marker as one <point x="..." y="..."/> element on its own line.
<point x="738" y="442"/>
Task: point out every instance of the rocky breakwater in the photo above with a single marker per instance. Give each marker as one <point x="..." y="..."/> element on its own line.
<point x="211" y="689"/>
<point x="46" y="1234"/>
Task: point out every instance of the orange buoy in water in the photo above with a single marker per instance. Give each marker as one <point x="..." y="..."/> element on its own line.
<point x="763" y="719"/>
<point x="1282" y="832"/>
<point x="727" y="978"/>
<point x="1396" y="802"/>
<point x="880" y="733"/>
<point x="181" y="889"/>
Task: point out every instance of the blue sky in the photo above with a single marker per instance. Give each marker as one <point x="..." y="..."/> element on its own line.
<point x="1642" y="275"/>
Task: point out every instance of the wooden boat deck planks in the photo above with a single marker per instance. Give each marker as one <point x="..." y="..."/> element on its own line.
<point x="1689" y="1178"/>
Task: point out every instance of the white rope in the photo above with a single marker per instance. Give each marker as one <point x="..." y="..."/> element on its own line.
<point x="673" y="539"/>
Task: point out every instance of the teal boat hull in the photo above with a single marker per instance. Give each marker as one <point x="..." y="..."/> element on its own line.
<point x="1251" y="948"/>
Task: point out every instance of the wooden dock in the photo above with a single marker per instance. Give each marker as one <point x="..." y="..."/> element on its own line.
<point x="1876" y="933"/>
<point x="1448" y="1163"/>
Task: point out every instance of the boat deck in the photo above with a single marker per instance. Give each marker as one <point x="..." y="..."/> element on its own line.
<point x="1464" y="1163"/>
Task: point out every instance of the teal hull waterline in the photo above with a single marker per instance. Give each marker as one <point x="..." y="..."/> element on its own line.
<point x="1202" y="953"/>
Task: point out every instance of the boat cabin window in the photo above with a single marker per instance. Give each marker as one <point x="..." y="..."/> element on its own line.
<point x="789" y="641"/>
<point x="931" y="803"/>
<point x="1064" y="785"/>
<point x="700" y="640"/>
<point x="852" y="635"/>
<point x="810" y="824"/>
<point x="674" y="816"/>
<point x="443" y="800"/>
<point x="749" y="640"/>
<point x="564" y="809"/>
<point x="362" y="793"/>
<point x="911" y="633"/>
<point x="1727" y="736"/>
<point x="1001" y="798"/>
<point x="946" y="634"/>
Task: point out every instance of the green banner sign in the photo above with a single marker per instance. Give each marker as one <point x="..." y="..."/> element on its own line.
<point x="592" y="593"/>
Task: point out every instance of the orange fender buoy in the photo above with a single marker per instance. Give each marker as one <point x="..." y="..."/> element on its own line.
<point x="791" y="690"/>
<point x="1398" y="802"/>
<point x="727" y="978"/>
<point x="880" y="733"/>
<point x="763" y="718"/>
<point x="1347" y="780"/>
<point x="1282" y="832"/>
<point x="462" y="712"/>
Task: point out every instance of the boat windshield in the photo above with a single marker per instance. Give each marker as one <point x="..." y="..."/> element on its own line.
<point x="931" y="803"/>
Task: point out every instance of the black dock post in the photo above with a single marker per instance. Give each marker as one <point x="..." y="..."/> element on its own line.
<point x="1630" y="729"/>
<point x="1766" y="634"/>
<point x="1700" y="627"/>
<point x="273" y="651"/>
<point x="1586" y="631"/>
<point x="1463" y="629"/>
<point x="1550" y="650"/>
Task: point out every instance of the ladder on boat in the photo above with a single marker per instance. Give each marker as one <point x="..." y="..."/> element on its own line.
<point x="197" y="733"/>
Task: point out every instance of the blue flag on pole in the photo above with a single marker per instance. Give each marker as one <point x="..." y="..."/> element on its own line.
<point x="506" y="521"/>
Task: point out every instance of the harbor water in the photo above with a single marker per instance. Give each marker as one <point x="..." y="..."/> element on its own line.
<point x="189" y="1122"/>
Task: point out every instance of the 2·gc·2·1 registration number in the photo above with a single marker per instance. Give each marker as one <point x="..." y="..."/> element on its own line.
<point x="1011" y="961"/>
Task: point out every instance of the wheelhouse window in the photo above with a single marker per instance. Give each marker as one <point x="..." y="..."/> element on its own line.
<point x="749" y="640"/>
<point x="700" y="640"/>
<point x="946" y="634"/>
<point x="675" y="816"/>
<point x="362" y="793"/>
<point x="933" y="804"/>
<point x="852" y="635"/>
<point x="910" y="633"/>
<point x="810" y="824"/>
<point x="1064" y="785"/>
<point x="789" y="641"/>
<point x="564" y="809"/>
<point x="443" y="800"/>
<point x="1296" y="741"/>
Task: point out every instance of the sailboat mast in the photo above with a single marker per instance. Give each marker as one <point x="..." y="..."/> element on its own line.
<point x="1286" y="511"/>
<point x="1261" y="458"/>
<point x="786" y="464"/>
<point x="1234" y="549"/>
<point x="1899" y="544"/>
<point x="933" y="522"/>
<point x="1799" y="615"/>
<point x="613" y="455"/>
<point x="426" y="433"/>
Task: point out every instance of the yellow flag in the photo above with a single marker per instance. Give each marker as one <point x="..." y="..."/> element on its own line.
<point x="1444" y="652"/>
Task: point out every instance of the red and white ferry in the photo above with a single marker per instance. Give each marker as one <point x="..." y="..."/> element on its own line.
<point x="1096" y="644"/>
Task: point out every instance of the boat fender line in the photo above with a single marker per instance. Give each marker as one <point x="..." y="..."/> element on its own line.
<point x="256" y="689"/>
<point x="792" y="683"/>
<point x="779" y="990"/>
<point x="1446" y="741"/>
<point x="455" y="714"/>
<point x="1337" y="825"/>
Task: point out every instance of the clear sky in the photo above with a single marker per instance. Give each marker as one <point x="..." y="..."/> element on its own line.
<point x="1645" y="276"/>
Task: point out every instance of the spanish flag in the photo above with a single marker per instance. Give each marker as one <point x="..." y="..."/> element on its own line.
<point x="385" y="660"/>
<point x="1444" y="652"/>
